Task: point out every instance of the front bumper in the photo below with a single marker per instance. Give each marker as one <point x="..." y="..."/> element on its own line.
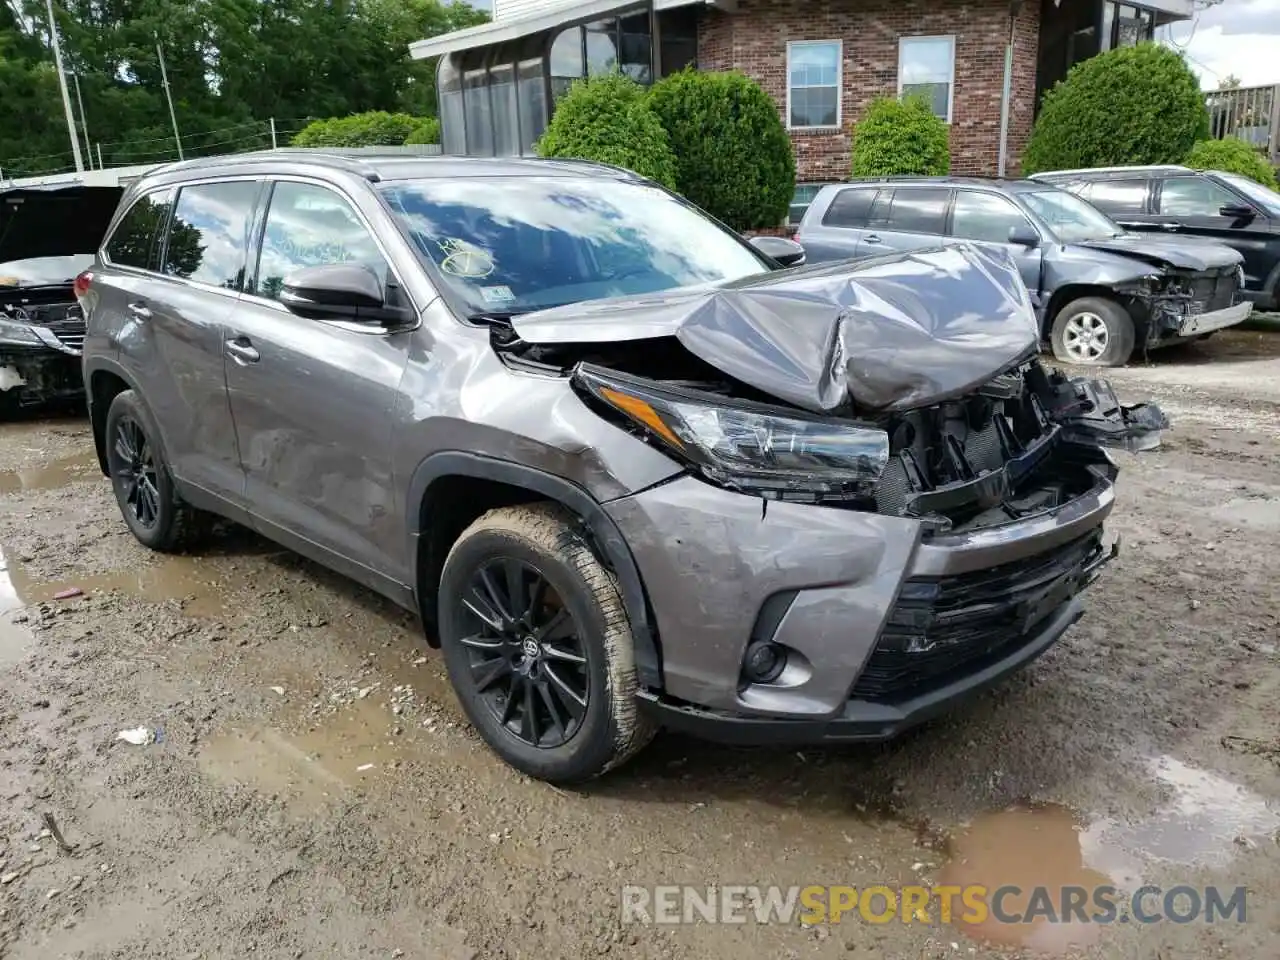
<point x="837" y="588"/>
<point x="1202" y="323"/>
<point x="32" y="373"/>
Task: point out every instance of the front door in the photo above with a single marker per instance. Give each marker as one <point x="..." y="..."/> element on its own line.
<point x="990" y="219"/>
<point x="1192" y="206"/>
<point x="313" y="399"/>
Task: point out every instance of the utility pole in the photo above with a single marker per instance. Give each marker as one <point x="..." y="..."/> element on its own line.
<point x="164" y="80"/>
<point x="62" y="85"/>
<point x="84" y="123"/>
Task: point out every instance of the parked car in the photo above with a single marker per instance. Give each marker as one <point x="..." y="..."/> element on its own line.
<point x="1224" y="207"/>
<point x="628" y="469"/>
<point x="1098" y="292"/>
<point x="48" y="235"/>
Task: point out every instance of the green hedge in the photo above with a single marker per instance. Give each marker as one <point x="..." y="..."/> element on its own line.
<point x="1134" y="105"/>
<point x="1232" y="156"/>
<point x="733" y="156"/>
<point x="900" y="137"/>
<point x="374" y="129"/>
<point x="606" y="119"/>
<point x="426" y="131"/>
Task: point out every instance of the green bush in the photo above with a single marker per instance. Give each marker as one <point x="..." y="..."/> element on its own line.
<point x="733" y="155"/>
<point x="1232" y="156"/>
<point x="1133" y="105"/>
<point x="900" y="137"/>
<point x="427" y="131"/>
<point x="606" y="119"/>
<point x="374" y="129"/>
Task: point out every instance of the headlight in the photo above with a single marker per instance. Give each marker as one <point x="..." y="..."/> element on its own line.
<point x="752" y="447"/>
<point x="15" y="332"/>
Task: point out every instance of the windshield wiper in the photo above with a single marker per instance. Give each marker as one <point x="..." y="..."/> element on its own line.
<point x="489" y="316"/>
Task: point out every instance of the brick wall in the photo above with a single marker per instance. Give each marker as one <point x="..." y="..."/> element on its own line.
<point x="754" y="40"/>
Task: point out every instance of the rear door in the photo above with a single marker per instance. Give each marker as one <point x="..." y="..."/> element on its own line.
<point x="1127" y="201"/>
<point x="833" y="225"/>
<point x="1192" y="206"/>
<point x="172" y="332"/>
<point x="987" y="218"/>
<point x="907" y="218"/>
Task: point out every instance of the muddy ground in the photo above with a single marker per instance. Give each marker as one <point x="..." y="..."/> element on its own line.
<point x="313" y="790"/>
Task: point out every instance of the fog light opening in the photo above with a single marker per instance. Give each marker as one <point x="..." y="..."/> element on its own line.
<point x="764" y="662"/>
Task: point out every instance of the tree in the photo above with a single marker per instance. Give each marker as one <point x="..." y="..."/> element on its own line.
<point x="1133" y="105"/>
<point x="733" y="156"/>
<point x="374" y="129"/>
<point x="606" y="119"/>
<point x="900" y="137"/>
<point x="1232" y="156"/>
<point x="1229" y="82"/>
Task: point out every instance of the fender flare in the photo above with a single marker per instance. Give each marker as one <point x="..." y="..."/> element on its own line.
<point x="105" y="365"/>
<point x="605" y="533"/>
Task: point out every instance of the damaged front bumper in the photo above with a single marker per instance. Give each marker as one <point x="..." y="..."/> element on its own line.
<point x="1201" y="323"/>
<point x="38" y="364"/>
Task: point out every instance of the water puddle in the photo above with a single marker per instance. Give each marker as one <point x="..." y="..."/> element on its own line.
<point x="187" y="580"/>
<point x="1047" y="846"/>
<point x="15" y="639"/>
<point x="51" y="476"/>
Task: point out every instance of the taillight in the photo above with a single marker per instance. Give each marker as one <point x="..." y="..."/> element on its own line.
<point x="82" y="283"/>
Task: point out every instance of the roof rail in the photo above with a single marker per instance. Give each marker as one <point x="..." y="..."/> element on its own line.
<point x="320" y="155"/>
<point x="1134" y="167"/>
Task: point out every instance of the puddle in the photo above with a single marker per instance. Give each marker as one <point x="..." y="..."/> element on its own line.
<point x="184" y="579"/>
<point x="59" y="473"/>
<point x="1260" y="512"/>
<point x="1047" y="846"/>
<point x="15" y="639"/>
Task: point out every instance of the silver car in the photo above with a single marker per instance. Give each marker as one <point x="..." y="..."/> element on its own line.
<point x="631" y="469"/>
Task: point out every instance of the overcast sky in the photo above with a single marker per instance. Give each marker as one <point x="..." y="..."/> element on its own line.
<point x="1240" y="37"/>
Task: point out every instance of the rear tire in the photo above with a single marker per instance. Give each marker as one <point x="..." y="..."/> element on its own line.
<point x="149" y="502"/>
<point x="538" y="645"/>
<point x="1093" y="331"/>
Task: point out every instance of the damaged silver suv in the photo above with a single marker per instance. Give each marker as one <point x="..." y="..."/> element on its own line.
<point x="630" y="470"/>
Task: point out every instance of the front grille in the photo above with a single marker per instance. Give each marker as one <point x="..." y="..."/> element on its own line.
<point x="64" y="322"/>
<point x="942" y="626"/>
<point x="1216" y="292"/>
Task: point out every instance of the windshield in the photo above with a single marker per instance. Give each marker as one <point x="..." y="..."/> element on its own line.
<point x="43" y="270"/>
<point x="510" y="245"/>
<point x="1071" y="219"/>
<point x="1265" y="198"/>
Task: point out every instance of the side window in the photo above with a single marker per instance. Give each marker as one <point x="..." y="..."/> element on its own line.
<point x="1117" y="196"/>
<point x="208" y="237"/>
<point x="133" y="244"/>
<point x="310" y="226"/>
<point x="1193" y="197"/>
<point x="919" y="210"/>
<point x="984" y="216"/>
<point x="850" y="208"/>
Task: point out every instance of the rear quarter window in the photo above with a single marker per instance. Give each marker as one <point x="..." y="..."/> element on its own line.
<point x="133" y="242"/>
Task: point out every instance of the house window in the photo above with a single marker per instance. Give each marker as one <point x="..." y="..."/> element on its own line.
<point x="1124" y="25"/>
<point x="813" y="84"/>
<point x="927" y="68"/>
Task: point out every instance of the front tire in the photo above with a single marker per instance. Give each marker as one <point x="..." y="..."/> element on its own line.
<point x="140" y="477"/>
<point x="538" y="645"/>
<point x="1093" y="331"/>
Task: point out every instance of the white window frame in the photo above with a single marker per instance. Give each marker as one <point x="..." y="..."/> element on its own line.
<point x="904" y="42"/>
<point x="839" y="45"/>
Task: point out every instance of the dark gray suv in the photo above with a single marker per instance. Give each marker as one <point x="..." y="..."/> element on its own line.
<point x="630" y="470"/>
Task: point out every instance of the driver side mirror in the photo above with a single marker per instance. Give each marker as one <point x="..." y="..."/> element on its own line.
<point x="340" y="291"/>
<point x="779" y="249"/>
<point x="1024" y="236"/>
<point x="1238" y="211"/>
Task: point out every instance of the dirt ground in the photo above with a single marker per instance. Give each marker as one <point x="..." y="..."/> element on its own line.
<point x="313" y="790"/>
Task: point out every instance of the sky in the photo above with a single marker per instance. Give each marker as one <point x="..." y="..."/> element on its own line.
<point x="1238" y="37"/>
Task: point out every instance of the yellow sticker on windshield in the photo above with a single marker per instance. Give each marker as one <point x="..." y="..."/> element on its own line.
<point x="9" y="281"/>
<point x="462" y="259"/>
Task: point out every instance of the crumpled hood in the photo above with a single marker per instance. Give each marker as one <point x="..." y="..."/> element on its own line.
<point x="1182" y="253"/>
<point x="54" y="221"/>
<point x="888" y="333"/>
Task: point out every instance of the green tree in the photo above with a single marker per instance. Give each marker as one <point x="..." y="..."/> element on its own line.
<point x="373" y="129"/>
<point x="900" y="137"/>
<point x="1133" y="105"/>
<point x="733" y="156"/>
<point x="1232" y="156"/>
<point x="606" y="119"/>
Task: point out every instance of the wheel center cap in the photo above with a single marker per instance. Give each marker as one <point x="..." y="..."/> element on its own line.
<point x="531" y="648"/>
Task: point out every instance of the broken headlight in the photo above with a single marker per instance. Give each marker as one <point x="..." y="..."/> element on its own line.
<point x="759" y="449"/>
<point x="12" y="331"/>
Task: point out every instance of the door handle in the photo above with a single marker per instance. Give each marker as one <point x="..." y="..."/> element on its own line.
<point x="871" y="238"/>
<point x="1171" y="225"/>
<point x="140" y="311"/>
<point x="242" y="351"/>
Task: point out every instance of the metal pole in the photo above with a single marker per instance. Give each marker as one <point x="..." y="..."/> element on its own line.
<point x="164" y="80"/>
<point x="84" y="124"/>
<point x="99" y="146"/>
<point x="1004" y="109"/>
<point x="62" y="85"/>
<point x="272" y="121"/>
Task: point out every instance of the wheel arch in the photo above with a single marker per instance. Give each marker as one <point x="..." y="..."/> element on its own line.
<point x="103" y="383"/>
<point x="460" y="486"/>
<point x="1075" y="291"/>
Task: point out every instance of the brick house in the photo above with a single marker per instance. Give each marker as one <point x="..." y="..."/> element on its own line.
<point x="983" y="64"/>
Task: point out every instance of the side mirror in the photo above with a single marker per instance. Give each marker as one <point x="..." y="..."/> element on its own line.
<point x="339" y="291"/>
<point x="1238" y="211"/>
<point x="779" y="249"/>
<point x="1024" y="236"/>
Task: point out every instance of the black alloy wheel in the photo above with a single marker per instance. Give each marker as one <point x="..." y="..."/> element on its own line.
<point x="526" y="653"/>
<point x="133" y="465"/>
